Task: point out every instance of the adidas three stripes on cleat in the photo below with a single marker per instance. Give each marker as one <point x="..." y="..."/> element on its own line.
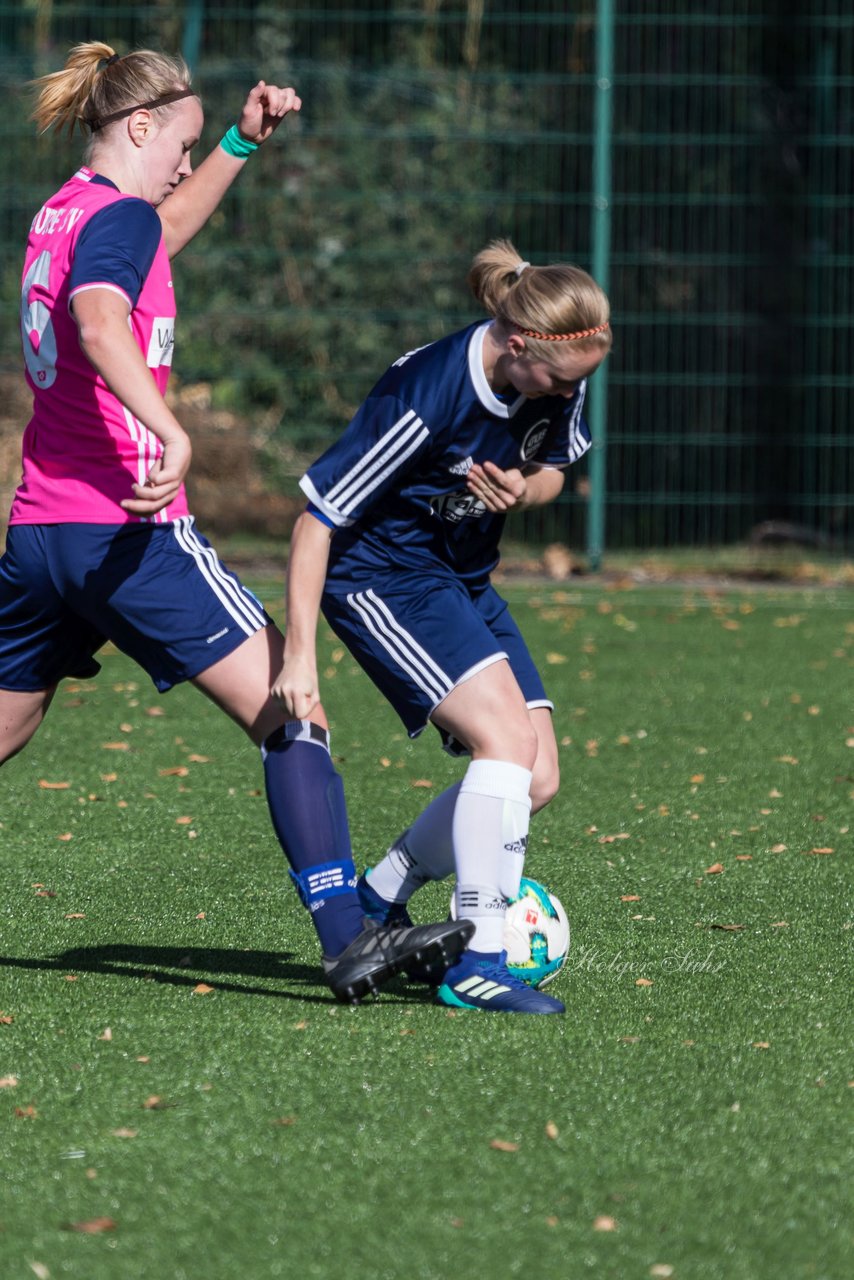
<point x="481" y="981"/>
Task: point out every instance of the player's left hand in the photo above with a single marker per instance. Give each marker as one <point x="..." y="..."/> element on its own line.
<point x="264" y="110"/>
<point x="498" y="490"/>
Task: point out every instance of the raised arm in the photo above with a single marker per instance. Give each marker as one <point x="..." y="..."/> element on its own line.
<point x="296" y="686"/>
<point x="188" y="208"/>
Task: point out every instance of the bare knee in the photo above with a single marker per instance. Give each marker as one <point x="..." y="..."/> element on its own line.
<point x="514" y="741"/>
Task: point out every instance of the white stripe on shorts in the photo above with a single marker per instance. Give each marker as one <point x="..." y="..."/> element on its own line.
<point x="238" y="603"/>
<point x="401" y="646"/>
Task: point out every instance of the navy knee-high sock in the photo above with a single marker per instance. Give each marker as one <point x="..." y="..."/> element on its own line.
<point x="306" y="799"/>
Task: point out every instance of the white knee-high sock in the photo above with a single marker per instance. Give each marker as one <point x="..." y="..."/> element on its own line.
<point x="425" y="851"/>
<point x="490" y="832"/>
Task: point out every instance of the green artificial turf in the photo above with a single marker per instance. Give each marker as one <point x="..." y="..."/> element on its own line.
<point x="688" y="1117"/>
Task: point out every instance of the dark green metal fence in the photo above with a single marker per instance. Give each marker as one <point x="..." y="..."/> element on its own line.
<point x="696" y="157"/>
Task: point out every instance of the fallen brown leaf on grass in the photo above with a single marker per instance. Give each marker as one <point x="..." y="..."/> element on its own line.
<point x="124" y="1133"/>
<point x="8" y="1082"/>
<point x="727" y="928"/>
<point x="422" y="782"/>
<point x="715" y="869"/>
<point x="156" y="1103"/>
<point x="552" y="1130"/>
<point x="26" y="1113"/>
<point x="177" y="771"/>
<point x="285" y="1122"/>
<point x="53" y="786"/>
<point x="604" y="1223"/>
<point x="93" y="1227"/>
<point x="630" y="897"/>
<point x="808" y="852"/>
<point x="644" y="982"/>
<point x="6" y="1019"/>
<point x="115" y="746"/>
<point x="202" y="989"/>
<point x="499" y="1144"/>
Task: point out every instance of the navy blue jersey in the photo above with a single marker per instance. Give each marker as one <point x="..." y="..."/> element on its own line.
<point x="393" y="486"/>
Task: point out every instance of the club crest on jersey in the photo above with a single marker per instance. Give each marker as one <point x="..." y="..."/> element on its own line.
<point x="533" y="439"/>
<point x="455" y="507"/>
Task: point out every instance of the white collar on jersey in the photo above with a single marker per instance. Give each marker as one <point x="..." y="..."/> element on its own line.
<point x="485" y="394"/>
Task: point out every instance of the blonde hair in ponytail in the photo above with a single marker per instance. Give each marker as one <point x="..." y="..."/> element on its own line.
<point x="549" y="304"/>
<point x="95" y="83"/>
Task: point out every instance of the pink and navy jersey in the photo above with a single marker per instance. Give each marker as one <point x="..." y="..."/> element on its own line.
<point x="82" y="449"/>
<point x="394" y="485"/>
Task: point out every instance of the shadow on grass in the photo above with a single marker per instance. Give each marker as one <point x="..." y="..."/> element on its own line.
<point x="193" y="964"/>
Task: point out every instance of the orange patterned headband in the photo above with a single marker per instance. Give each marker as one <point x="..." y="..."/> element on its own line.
<point x="563" y="337"/>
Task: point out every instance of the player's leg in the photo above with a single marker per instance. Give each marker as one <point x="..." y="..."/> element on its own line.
<point x="305" y="795"/>
<point x="41" y="638"/>
<point x="443" y="663"/>
<point x="304" y="790"/>
<point x="20" y="716"/>
<point x="425" y="850"/>
<point x="488" y="714"/>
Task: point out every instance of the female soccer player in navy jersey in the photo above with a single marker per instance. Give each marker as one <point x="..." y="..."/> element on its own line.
<point x="401" y="533"/>
<point x="100" y="543"/>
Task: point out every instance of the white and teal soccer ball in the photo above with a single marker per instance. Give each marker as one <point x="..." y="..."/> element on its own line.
<point x="536" y="934"/>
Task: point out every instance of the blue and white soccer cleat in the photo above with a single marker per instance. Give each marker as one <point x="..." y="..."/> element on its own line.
<point x="481" y="981"/>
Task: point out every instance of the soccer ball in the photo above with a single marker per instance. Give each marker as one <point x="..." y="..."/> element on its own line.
<point x="536" y="933"/>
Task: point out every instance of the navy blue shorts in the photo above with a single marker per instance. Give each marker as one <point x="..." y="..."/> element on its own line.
<point x="419" y="642"/>
<point x="158" y="592"/>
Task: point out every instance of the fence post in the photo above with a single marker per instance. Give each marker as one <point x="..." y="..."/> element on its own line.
<point x="600" y="256"/>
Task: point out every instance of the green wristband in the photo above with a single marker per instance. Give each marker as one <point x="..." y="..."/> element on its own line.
<point x="236" y="145"/>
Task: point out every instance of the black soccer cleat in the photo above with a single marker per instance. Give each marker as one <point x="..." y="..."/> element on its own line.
<point x="381" y="912"/>
<point x="381" y="951"/>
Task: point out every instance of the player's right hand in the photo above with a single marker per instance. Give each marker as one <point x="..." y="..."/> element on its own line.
<point x="164" y="480"/>
<point x="295" y="689"/>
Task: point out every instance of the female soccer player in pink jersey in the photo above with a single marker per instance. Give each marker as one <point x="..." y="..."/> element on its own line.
<point x="100" y="543"/>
